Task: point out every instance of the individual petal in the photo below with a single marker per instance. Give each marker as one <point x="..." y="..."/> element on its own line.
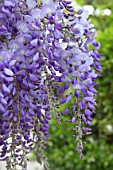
<point x="91" y="106"/>
<point x="10" y="86"/>
<point x="31" y="112"/>
<point x="77" y="93"/>
<point x="2" y="108"/>
<point x="73" y="119"/>
<point x="32" y="77"/>
<point x="33" y="93"/>
<point x="8" y="72"/>
<point x="10" y="102"/>
<point x="61" y="90"/>
<point x="88" y="112"/>
<point x="83" y="118"/>
<point x="8" y="79"/>
<point x="36" y="57"/>
<point x="12" y="63"/>
<point x="5" y="89"/>
<point x="8" y="3"/>
<point x="25" y="83"/>
<point x="89" y="123"/>
<point x="63" y="100"/>
<point x="3" y="101"/>
<point x="1" y="76"/>
<point x="34" y="42"/>
<point x="69" y="97"/>
<point x="65" y="111"/>
<point x="14" y="91"/>
<point x="88" y="99"/>
<point x="31" y="4"/>
<point x="1" y="95"/>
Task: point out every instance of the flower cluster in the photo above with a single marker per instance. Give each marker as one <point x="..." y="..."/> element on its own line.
<point x="45" y="48"/>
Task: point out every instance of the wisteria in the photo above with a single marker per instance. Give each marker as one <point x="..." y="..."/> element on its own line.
<point x="46" y="47"/>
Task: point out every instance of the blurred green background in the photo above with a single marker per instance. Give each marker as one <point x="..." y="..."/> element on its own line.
<point x="99" y="148"/>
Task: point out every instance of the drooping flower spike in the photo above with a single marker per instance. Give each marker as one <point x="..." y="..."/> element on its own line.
<point x="44" y="47"/>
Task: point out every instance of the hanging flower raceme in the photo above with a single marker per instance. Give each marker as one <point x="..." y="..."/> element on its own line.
<point x="44" y="47"/>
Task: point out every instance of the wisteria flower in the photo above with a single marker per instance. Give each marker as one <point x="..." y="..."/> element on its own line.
<point x="44" y="51"/>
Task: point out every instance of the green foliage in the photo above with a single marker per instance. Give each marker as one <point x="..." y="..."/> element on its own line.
<point x="63" y="156"/>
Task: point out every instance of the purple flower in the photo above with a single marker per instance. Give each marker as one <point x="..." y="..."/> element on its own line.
<point x="8" y="72"/>
<point x="65" y="111"/>
<point x="78" y="30"/>
<point x="37" y="14"/>
<point x="44" y="63"/>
